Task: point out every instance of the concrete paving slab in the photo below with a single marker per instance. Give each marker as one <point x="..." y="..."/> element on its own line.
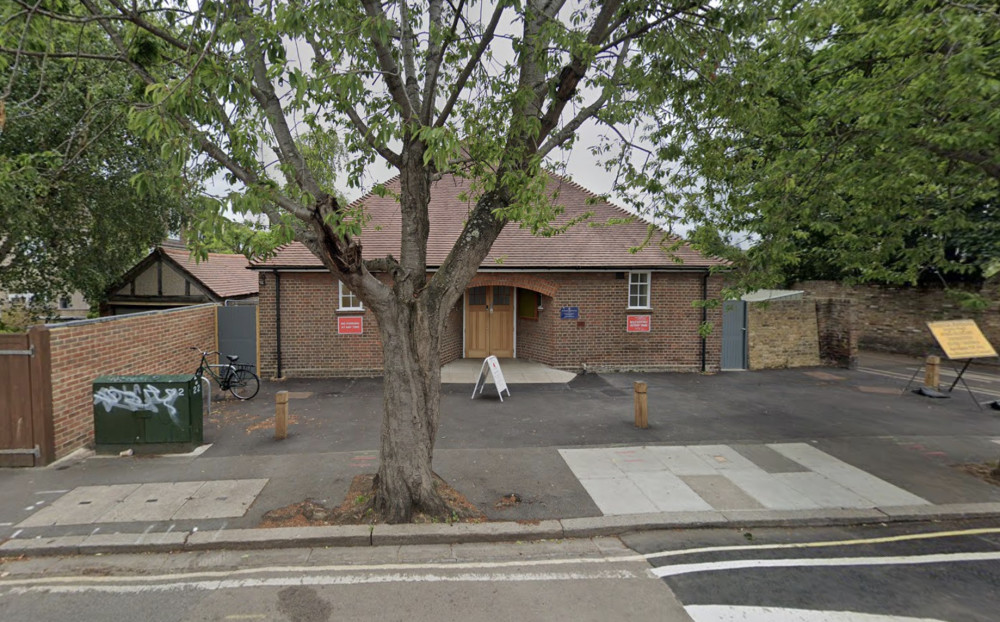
<point x="152" y="502"/>
<point x="636" y="460"/>
<point x="878" y="491"/>
<point x="221" y="499"/>
<point x="80" y="506"/>
<point x="823" y="491"/>
<point x="681" y="461"/>
<point x="591" y="463"/>
<point x="723" y="458"/>
<point x="768" y="459"/>
<point x="515" y="371"/>
<point x="769" y="491"/>
<point x="618" y="496"/>
<point x="721" y="493"/>
<point x="668" y="492"/>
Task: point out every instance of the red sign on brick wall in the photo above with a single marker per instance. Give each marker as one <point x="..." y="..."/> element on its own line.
<point x="350" y="325"/>
<point x="638" y="324"/>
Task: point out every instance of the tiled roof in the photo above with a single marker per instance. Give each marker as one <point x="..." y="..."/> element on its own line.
<point x="590" y="244"/>
<point x="226" y="275"/>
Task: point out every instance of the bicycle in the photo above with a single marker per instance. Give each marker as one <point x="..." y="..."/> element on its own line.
<point x="237" y="378"/>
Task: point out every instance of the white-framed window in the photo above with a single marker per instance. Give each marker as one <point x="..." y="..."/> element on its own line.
<point x="638" y="290"/>
<point x="349" y="301"/>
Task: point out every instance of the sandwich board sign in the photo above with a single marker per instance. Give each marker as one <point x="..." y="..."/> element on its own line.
<point x="961" y="339"/>
<point x="492" y="366"/>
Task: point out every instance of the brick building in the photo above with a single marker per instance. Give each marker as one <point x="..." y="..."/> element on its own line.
<point x="576" y="300"/>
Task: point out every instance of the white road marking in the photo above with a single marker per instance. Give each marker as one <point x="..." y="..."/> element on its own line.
<point x="6" y="524"/>
<point x="16" y="534"/>
<point x="739" y="564"/>
<point x="346" y="579"/>
<point x="829" y="543"/>
<point x="51" y="492"/>
<point x="347" y="568"/>
<point x="727" y="613"/>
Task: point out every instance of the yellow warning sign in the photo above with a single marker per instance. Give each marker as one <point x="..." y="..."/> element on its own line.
<point x="961" y="339"/>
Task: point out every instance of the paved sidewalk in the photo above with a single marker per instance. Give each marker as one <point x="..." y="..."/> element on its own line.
<point x="792" y="447"/>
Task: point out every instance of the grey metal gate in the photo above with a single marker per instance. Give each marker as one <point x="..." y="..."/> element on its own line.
<point x="734" y="334"/>
<point x="238" y="332"/>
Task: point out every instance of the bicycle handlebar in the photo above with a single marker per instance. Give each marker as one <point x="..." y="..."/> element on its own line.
<point x="204" y="353"/>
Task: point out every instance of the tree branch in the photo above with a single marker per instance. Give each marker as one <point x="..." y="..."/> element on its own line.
<point x="390" y="69"/>
<point x="288" y="151"/>
<point x="83" y="55"/>
<point x="409" y="62"/>
<point x="463" y="77"/>
<point x="362" y="128"/>
<point x="435" y="54"/>
<point x="559" y="138"/>
<point x="575" y="70"/>
<point x="989" y="162"/>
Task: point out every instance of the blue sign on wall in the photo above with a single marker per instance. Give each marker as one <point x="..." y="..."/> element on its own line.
<point x="569" y="313"/>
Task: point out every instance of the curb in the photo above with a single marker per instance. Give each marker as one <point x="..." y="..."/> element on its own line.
<point x="466" y="533"/>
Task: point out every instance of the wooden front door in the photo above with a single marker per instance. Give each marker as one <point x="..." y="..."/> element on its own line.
<point x="489" y="322"/>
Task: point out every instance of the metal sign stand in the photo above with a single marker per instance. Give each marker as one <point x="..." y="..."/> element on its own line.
<point x="961" y="340"/>
<point x="493" y="365"/>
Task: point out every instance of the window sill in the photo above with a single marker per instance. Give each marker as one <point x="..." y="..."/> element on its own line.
<point x="350" y="311"/>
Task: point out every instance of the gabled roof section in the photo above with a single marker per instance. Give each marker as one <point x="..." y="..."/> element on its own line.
<point x="226" y="276"/>
<point x="592" y="244"/>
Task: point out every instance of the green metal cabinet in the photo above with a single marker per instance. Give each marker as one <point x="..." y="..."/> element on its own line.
<point x="159" y="411"/>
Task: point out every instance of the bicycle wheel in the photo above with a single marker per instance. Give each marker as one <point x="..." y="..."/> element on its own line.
<point x="244" y="384"/>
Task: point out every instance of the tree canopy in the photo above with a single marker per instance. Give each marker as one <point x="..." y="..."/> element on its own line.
<point x="854" y="139"/>
<point x="482" y="90"/>
<point x="863" y="125"/>
<point x="70" y="217"/>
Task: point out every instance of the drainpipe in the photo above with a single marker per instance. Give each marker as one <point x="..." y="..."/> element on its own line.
<point x="704" y="318"/>
<point x="277" y="316"/>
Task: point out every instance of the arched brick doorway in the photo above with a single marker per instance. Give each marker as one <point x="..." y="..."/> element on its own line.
<point x="490" y="319"/>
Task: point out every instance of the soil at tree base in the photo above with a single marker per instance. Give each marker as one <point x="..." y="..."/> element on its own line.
<point x="356" y="509"/>
<point x="989" y="472"/>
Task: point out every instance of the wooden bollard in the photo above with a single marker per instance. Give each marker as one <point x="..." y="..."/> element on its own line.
<point x="280" y="415"/>
<point x="932" y="373"/>
<point x="641" y="416"/>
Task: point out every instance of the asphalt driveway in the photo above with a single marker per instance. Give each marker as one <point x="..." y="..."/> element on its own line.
<point x="334" y="415"/>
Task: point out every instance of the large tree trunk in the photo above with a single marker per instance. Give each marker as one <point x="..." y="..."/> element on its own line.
<point x="412" y="397"/>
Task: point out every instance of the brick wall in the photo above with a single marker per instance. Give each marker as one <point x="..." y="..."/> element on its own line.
<point x="451" y="338"/>
<point x="311" y="346"/>
<point x="894" y="319"/>
<point x="782" y="333"/>
<point x="837" y="330"/>
<point x="535" y="336"/>
<point x="147" y="343"/>
<point x="599" y="338"/>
